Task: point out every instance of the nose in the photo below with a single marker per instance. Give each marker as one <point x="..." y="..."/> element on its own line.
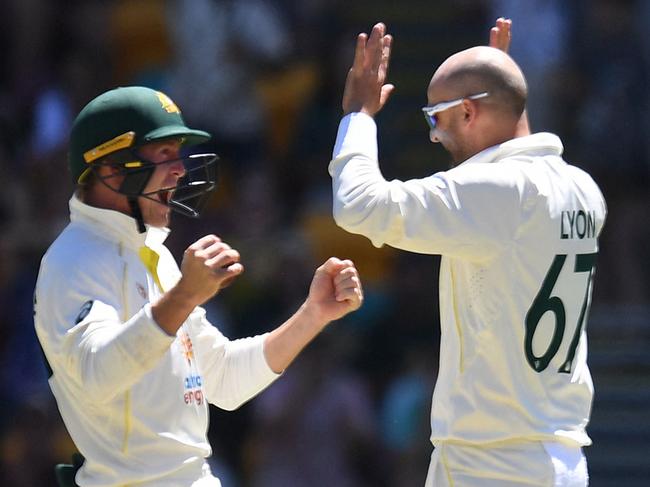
<point x="432" y="137"/>
<point x="177" y="168"/>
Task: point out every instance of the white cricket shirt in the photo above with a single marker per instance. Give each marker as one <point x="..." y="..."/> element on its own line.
<point x="517" y="229"/>
<point x="133" y="398"/>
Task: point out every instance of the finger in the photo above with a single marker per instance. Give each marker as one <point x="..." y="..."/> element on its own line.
<point x="346" y="276"/>
<point x="504" y="24"/>
<point x="228" y="274"/>
<point x="500" y="34"/>
<point x="203" y="242"/>
<point x="214" y="249"/>
<point x="348" y="287"/>
<point x="505" y="29"/>
<point x="353" y="296"/>
<point x="348" y="294"/>
<point x="385" y="57"/>
<point x="501" y="42"/>
<point x="386" y="91"/>
<point x="494" y="35"/>
<point x="359" y="51"/>
<point x="374" y="47"/>
<point x="231" y="271"/>
<point x="331" y="266"/>
<point x="223" y="259"/>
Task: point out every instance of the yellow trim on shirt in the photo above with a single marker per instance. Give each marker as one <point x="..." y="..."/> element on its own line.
<point x="127" y="421"/>
<point x="127" y="395"/>
<point x="149" y="258"/>
<point x="445" y="465"/>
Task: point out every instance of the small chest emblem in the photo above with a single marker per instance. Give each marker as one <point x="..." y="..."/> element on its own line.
<point x="84" y="311"/>
<point x="186" y="345"/>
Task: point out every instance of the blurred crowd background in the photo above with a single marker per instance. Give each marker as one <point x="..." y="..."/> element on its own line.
<point x="266" y="78"/>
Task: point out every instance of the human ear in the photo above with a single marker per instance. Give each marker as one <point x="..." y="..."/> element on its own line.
<point x="469" y="111"/>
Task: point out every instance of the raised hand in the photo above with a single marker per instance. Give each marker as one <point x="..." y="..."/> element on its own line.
<point x="365" y="88"/>
<point x="501" y="34"/>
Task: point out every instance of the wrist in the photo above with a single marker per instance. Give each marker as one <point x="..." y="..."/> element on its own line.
<point x="182" y="297"/>
<point x="363" y="110"/>
<point x="173" y="308"/>
<point x="312" y="315"/>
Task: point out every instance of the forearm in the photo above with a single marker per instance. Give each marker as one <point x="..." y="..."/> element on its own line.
<point x="356" y="179"/>
<point x="172" y="309"/>
<point x="334" y="292"/>
<point x="283" y="344"/>
<point x="362" y="201"/>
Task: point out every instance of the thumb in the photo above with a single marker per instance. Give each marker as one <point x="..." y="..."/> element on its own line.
<point x="386" y="91"/>
<point x="332" y="265"/>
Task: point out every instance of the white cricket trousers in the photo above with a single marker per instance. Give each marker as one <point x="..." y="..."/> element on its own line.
<point x="507" y="464"/>
<point x="194" y="474"/>
<point x="207" y="479"/>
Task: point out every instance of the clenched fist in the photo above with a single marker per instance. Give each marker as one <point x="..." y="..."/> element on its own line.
<point x="335" y="290"/>
<point x="208" y="266"/>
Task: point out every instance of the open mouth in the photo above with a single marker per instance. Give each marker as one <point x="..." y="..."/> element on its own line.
<point x="165" y="196"/>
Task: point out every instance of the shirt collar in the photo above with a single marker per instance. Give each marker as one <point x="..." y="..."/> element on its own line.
<point x="543" y="143"/>
<point x="115" y="225"/>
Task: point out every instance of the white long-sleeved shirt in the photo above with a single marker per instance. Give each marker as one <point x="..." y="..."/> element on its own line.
<point x="133" y="398"/>
<point x="517" y="229"/>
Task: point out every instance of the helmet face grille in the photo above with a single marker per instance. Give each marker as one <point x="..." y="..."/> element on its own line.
<point x="193" y="189"/>
<point x="188" y="196"/>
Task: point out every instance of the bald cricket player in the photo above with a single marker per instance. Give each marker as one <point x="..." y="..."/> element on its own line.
<point x="517" y="228"/>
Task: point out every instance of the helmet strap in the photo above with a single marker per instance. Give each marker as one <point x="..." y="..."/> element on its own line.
<point x="137" y="213"/>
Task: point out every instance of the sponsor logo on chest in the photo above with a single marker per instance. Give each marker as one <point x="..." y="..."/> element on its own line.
<point x="193" y="383"/>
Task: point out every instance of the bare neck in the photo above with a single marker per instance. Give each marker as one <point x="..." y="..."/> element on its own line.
<point x="523" y="126"/>
<point x="508" y="132"/>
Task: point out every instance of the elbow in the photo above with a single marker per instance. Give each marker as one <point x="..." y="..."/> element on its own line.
<point x="97" y="393"/>
<point x="361" y="223"/>
<point x="341" y="218"/>
<point x="362" y="208"/>
<point x="348" y="219"/>
<point x="98" y="383"/>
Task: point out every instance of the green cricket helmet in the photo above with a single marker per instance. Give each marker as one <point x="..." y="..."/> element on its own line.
<point x="116" y="124"/>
